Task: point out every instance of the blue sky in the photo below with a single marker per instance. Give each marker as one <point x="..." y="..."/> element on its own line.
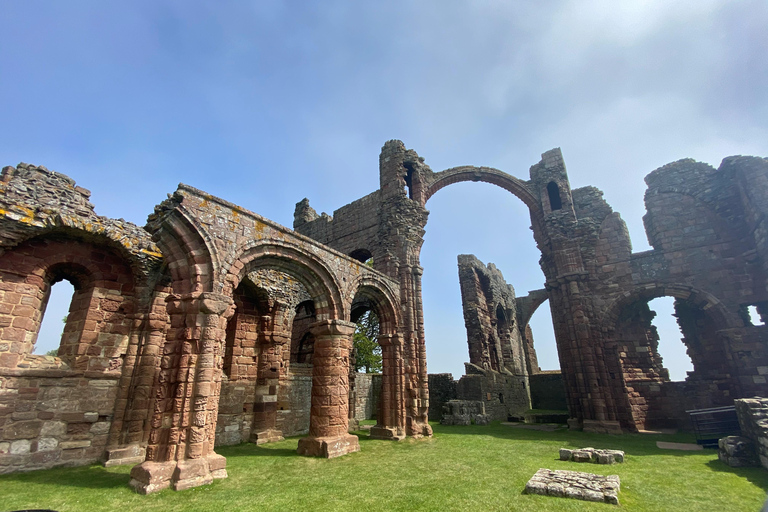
<point x="264" y="103"/>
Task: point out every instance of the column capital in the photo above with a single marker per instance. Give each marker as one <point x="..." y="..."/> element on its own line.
<point x="388" y="340"/>
<point x="332" y="328"/>
<point x="208" y="303"/>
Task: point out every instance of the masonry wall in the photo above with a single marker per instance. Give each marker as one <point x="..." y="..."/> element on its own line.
<point x="505" y="395"/>
<point x="367" y="395"/>
<point x="547" y="391"/>
<point x="707" y="255"/>
<point x="53" y="418"/>
<point x="753" y="419"/>
<point x="442" y="388"/>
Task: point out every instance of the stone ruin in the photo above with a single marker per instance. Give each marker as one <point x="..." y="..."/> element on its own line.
<point x="212" y="324"/>
<point x="751" y="447"/>
<point x="575" y="485"/>
<point x="596" y="456"/>
<point x="502" y="376"/>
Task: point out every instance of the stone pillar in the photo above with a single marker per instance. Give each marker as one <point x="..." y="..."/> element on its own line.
<point x="419" y="425"/>
<point x="329" y="419"/>
<point x="390" y="422"/>
<point x="183" y="427"/>
<point x="273" y="344"/>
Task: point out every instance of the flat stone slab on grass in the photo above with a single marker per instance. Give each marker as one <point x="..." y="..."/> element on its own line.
<point x="543" y="427"/>
<point x="686" y="447"/>
<point x="592" y="455"/>
<point x="576" y="485"/>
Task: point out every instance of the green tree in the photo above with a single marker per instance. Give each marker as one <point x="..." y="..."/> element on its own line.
<point x="366" y="347"/>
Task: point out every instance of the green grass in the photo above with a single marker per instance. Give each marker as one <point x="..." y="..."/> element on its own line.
<point x="460" y="468"/>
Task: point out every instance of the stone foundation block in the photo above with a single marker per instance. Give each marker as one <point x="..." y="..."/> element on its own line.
<point x="592" y="455"/>
<point x="328" y="447"/>
<point x="387" y="433"/>
<point x="267" y="436"/>
<point x="191" y="473"/>
<point x="737" y="451"/>
<point x="601" y="426"/>
<point x="575" y="485"/>
<point x="149" y="477"/>
<point x="130" y="455"/>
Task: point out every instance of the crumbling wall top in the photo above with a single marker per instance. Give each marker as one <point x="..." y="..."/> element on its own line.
<point x="35" y="200"/>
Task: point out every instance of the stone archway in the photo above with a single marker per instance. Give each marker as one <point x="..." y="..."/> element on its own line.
<point x="638" y="375"/>
<point x="374" y="295"/>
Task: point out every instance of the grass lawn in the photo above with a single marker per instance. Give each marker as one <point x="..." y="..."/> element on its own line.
<point x="460" y="468"/>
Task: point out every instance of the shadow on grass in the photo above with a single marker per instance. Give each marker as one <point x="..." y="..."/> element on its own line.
<point x="92" y="477"/>
<point x="756" y="475"/>
<point x="635" y="445"/>
<point x="252" y="450"/>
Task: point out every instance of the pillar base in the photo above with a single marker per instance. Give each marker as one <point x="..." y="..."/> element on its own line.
<point x="602" y="427"/>
<point x="418" y="430"/>
<point x="387" y="433"/>
<point x="133" y="454"/>
<point x="149" y="477"/>
<point x="267" y="436"/>
<point x="328" y="447"/>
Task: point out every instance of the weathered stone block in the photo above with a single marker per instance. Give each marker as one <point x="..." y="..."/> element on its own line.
<point x="575" y="485"/>
<point x="737" y="451"/>
<point x="23" y="429"/>
<point x="69" y="445"/>
<point x="592" y="455"/>
<point x="151" y="477"/>
<point x="328" y="447"/>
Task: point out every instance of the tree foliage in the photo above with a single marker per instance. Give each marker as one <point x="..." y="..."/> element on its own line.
<point x="366" y="347"/>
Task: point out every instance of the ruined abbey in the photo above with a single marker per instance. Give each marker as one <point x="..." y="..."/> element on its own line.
<point x="212" y="325"/>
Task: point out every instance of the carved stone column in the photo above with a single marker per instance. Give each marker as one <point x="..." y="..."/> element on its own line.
<point x="273" y="344"/>
<point x="329" y="417"/>
<point x="127" y="436"/>
<point x="391" y="415"/>
<point x="183" y="428"/>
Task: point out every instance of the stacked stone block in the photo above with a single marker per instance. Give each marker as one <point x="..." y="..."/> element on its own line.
<point x="753" y="420"/>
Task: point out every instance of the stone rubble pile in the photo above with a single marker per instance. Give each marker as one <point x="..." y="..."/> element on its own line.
<point x="592" y="455"/>
<point x="464" y="412"/>
<point x="753" y="420"/>
<point x="737" y="452"/>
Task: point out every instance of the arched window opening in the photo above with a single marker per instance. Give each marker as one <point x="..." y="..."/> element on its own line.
<point x="554" y="196"/>
<point x="408" y="179"/>
<point x="540" y="328"/>
<point x="671" y="349"/>
<point x="302" y="341"/>
<point x="493" y="354"/>
<point x="501" y="322"/>
<point x="54" y="318"/>
<point x="366" y="348"/>
<point x="363" y="256"/>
